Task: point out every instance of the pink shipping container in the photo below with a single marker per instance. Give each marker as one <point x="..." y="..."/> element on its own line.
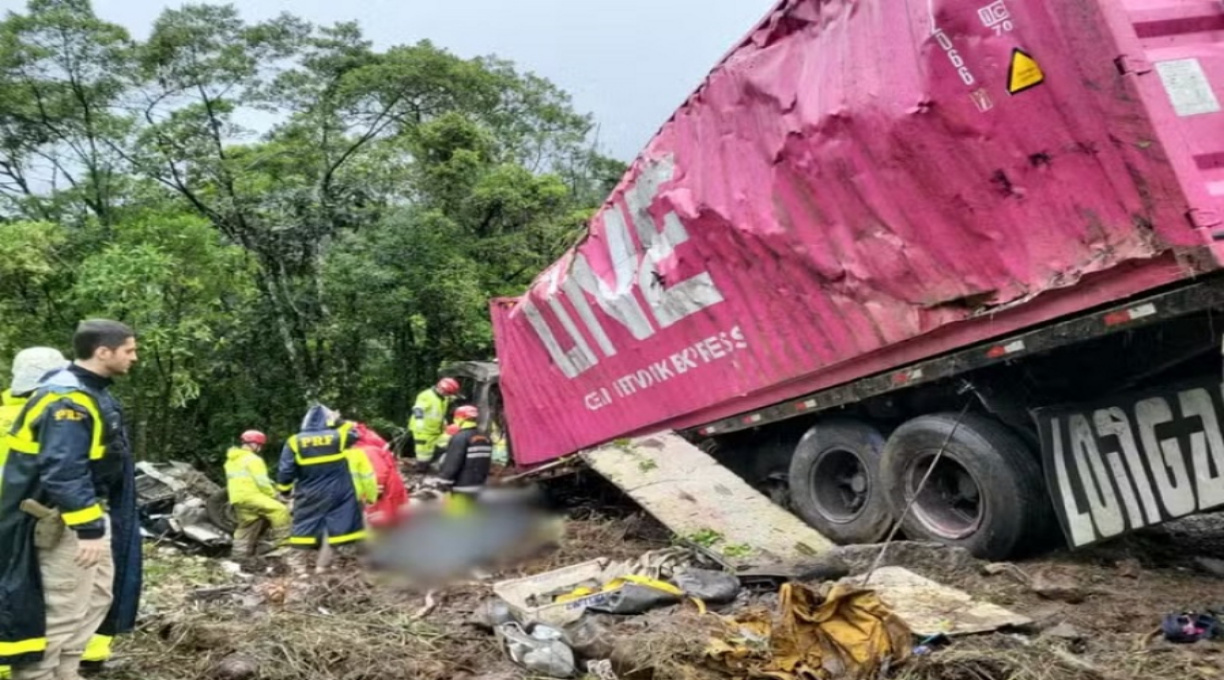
<point x="860" y="185"/>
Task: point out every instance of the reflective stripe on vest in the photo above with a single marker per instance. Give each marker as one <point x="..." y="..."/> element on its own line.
<point x="22" y="438"/>
<point x="342" y="432"/>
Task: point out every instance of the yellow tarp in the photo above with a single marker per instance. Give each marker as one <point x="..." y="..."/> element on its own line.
<point x="848" y="634"/>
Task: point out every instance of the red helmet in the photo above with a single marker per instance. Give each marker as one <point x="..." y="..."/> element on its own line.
<point x="447" y="387"/>
<point x="467" y="413"/>
<point x="254" y="437"/>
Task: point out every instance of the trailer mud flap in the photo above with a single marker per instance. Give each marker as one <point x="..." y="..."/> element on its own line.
<point x="1134" y="460"/>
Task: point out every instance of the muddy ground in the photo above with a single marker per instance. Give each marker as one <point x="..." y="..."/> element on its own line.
<point x="1096" y="614"/>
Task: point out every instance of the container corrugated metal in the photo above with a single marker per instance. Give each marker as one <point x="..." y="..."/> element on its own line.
<point x="864" y="183"/>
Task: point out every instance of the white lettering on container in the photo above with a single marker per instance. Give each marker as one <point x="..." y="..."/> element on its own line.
<point x="634" y="270"/>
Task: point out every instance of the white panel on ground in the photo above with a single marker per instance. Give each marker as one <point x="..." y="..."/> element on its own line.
<point x="930" y="608"/>
<point x="695" y="497"/>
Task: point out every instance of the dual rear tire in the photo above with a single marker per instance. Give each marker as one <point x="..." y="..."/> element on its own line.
<point x="985" y="493"/>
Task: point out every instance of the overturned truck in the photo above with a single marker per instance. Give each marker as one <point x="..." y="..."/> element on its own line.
<point x="881" y="235"/>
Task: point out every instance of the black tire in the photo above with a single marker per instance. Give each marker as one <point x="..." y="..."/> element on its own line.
<point x="835" y="482"/>
<point x="986" y="495"/>
<point x="220" y="512"/>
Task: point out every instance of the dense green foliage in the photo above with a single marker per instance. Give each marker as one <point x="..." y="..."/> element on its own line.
<point x="283" y="212"/>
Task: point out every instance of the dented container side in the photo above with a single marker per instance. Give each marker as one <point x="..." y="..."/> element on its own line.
<point x="1173" y="53"/>
<point x="859" y="183"/>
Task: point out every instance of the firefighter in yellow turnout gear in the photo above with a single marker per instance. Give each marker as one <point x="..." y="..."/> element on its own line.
<point x="253" y="497"/>
<point x="428" y="421"/>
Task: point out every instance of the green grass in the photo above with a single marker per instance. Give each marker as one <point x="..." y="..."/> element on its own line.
<point x="713" y="540"/>
<point x="737" y="550"/>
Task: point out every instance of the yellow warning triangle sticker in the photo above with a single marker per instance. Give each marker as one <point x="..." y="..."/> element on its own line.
<point x="1023" y="72"/>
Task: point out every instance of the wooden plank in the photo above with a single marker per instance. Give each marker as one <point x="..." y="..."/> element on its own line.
<point x="694" y="496"/>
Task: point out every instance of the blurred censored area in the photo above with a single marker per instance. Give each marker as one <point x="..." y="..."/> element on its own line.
<point x="444" y="539"/>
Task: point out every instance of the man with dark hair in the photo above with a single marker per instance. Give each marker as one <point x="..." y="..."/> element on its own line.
<point x="96" y="335"/>
<point x="68" y="483"/>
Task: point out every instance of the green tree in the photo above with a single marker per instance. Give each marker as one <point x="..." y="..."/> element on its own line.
<point x="284" y="212"/>
<point x="173" y="278"/>
<point x="63" y="74"/>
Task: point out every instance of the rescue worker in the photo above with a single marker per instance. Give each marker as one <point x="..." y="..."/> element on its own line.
<point x="428" y="420"/>
<point x="253" y="497"/>
<point x="29" y="366"/>
<point x="362" y="472"/>
<point x="317" y="465"/>
<point x="392" y="497"/>
<point x="70" y="566"/>
<point x="465" y="470"/>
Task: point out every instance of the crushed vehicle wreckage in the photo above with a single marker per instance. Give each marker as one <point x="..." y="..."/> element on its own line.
<point x="180" y="504"/>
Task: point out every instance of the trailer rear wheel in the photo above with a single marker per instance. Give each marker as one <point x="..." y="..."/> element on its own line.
<point x="835" y="483"/>
<point x="984" y="494"/>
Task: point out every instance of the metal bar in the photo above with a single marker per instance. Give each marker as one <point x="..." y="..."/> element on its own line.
<point x="1143" y="312"/>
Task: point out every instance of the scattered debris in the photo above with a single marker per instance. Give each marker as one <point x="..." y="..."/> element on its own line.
<point x="1043" y="617"/>
<point x="214" y="594"/>
<point x="994" y="658"/>
<point x="201" y="620"/>
<point x="236" y="667"/>
<point x="542" y="651"/>
<point x="1064" y="631"/>
<point x="1133" y="568"/>
<point x="937" y="557"/>
<point x="533" y="598"/>
<point x="847" y="633"/>
<point x="560" y="466"/>
<point x="1047" y="585"/>
<point x="562" y="595"/>
<point x="180" y="504"/>
<point x="929" y="608"/>
<point x="826" y="567"/>
<point x="1068" y="659"/>
<point x="492" y="613"/>
<point x="430" y="603"/>
<point x="1210" y="565"/>
<point x="601" y="669"/>
<point x="1190" y="627"/>
<point x="711" y="587"/>
<point x="1057" y="588"/>
<point x="1007" y="569"/>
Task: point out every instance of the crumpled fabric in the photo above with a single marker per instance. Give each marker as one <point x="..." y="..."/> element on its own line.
<point x="848" y="634"/>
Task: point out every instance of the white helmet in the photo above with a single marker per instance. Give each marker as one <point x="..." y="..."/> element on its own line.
<point x="31" y="364"/>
